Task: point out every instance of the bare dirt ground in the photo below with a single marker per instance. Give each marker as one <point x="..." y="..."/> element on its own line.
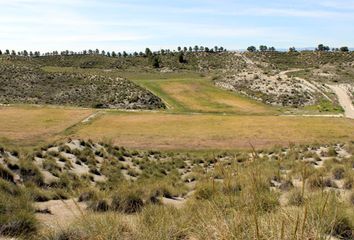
<point x="344" y="99"/>
<point x="61" y="213"/>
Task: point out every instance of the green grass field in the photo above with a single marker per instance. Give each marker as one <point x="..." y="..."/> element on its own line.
<point x="200" y="95"/>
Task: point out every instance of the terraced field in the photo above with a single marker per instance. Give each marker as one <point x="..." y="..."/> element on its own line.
<point x="200" y="95"/>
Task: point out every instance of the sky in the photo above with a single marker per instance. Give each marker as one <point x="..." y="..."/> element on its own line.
<point x="133" y="25"/>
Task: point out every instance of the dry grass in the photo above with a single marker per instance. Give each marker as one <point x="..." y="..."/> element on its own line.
<point x="174" y="131"/>
<point x="30" y="125"/>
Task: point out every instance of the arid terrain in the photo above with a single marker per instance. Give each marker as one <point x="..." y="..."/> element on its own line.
<point x="177" y="145"/>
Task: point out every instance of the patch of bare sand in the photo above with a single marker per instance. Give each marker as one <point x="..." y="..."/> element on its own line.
<point x="62" y="213"/>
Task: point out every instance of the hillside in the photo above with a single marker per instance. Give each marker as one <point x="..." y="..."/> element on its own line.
<point x="279" y="79"/>
<point x="283" y="79"/>
<point x="157" y="195"/>
<point x="23" y="84"/>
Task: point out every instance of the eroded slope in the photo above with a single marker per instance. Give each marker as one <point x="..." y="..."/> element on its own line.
<point x="21" y="84"/>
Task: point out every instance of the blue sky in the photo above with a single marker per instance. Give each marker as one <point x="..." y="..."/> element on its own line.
<point x="132" y="25"/>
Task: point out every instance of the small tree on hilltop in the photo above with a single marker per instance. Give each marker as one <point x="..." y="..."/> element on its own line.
<point x="179" y="49"/>
<point x="263" y="48"/>
<point x="344" y="49"/>
<point x="252" y="49"/>
<point x="148" y="52"/>
<point x="322" y="48"/>
<point x="292" y="49"/>
<point x="196" y="48"/>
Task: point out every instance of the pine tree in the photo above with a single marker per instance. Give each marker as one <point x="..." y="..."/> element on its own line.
<point x="155" y="62"/>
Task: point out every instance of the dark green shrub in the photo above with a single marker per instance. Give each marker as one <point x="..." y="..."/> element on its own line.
<point x="6" y="174"/>
<point x="88" y="195"/>
<point x="9" y="188"/>
<point x="338" y="173"/>
<point x="343" y="228"/>
<point x="127" y="202"/>
<point x="30" y="173"/>
<point x="100" y="205"/>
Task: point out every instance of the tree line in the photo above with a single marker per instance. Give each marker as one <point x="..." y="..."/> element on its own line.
<point x="147" y="52"/>
<point x="152" y="55"/>
<point x="320" y="48"/>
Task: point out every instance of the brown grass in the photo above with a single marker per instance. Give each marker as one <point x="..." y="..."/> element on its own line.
<point x="30" y="124"/>
<point x="175" y="131"/>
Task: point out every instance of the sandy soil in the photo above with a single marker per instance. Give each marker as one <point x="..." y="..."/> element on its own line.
<point x="62" y="213"/>
<point x="344" y="99"/>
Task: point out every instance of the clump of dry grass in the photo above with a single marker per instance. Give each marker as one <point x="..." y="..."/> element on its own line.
<point x="16" y="212"/>
<point x="296" y="198"/>
<point x="127" y="202"/>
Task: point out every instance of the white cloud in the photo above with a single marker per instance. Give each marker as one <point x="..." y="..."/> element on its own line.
<point x="79" y="24"/>
<point x="342" y="4"/>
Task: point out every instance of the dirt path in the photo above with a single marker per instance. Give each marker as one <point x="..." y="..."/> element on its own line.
<point x="310" y="85"/>
<point x="315" y="115"/>
<point x="344" y="99"/>
<point x="91" y="117"/>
